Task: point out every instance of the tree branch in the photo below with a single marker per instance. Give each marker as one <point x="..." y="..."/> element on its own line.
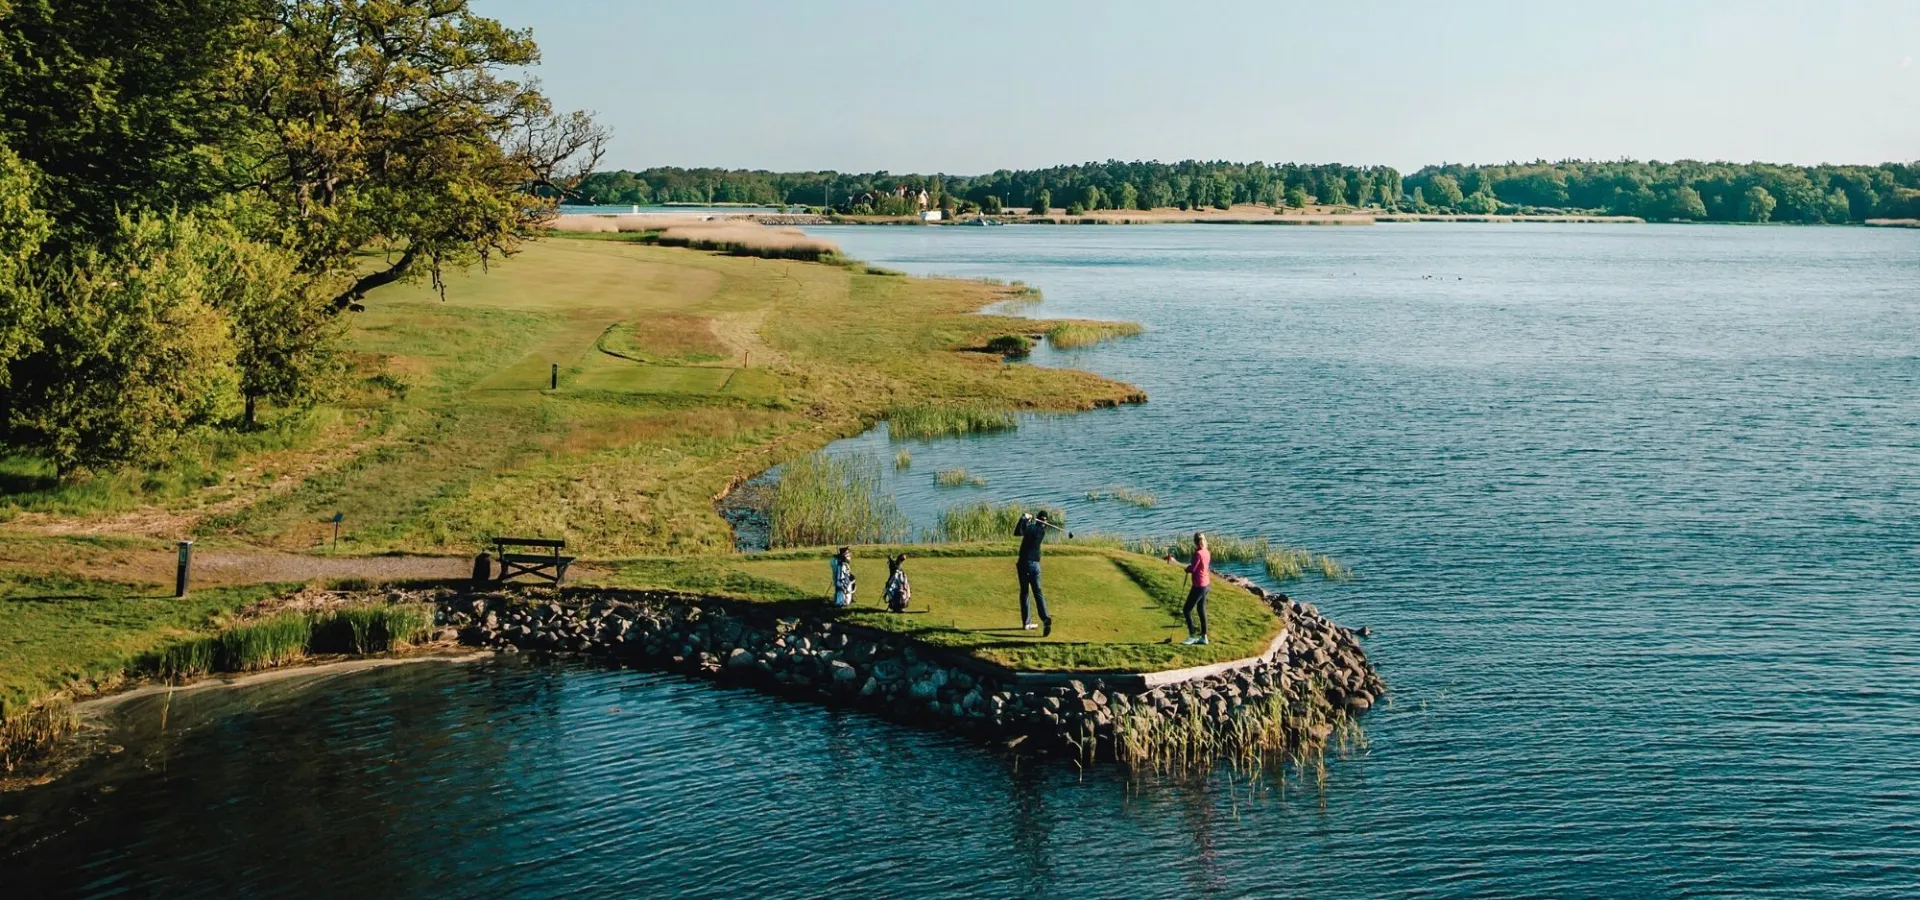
<point x="351" y="297"/>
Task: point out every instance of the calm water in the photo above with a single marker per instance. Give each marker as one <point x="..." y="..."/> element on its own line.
<point x="1633" y="510"/>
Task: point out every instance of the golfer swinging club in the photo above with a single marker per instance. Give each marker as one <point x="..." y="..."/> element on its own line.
<point x="1031" y="531"/>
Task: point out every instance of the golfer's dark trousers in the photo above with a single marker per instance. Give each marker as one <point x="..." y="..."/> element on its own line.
<point x="1029" y="570"/>
<point x="1196" y="598"/>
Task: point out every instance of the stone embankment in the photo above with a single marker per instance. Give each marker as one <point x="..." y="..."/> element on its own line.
<point x="1287" y="703"/>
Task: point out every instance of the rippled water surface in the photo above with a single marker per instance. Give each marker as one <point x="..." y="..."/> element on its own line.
<point x="1633" y="512"/>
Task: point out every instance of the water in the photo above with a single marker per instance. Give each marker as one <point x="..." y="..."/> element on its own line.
<point x="1633" y="513"/>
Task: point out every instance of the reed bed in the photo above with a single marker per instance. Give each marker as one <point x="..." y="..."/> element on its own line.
<point x="28" y="734"/>
<point x="987" y="521"/>
<point x="1123" y="494"/>
<point x="903" y="459"/>
<point x="824" y="500"/>
<point x="288" y="637"/>
<point x="928" y="422"/>
<point x="1015" y="346"/>
<point x="958" y="478"/>
<point x="1068" y="335"/>
<point x="1282" y="563"/>
<point x="1255" y="738"/>
<point x="738" y="237"/>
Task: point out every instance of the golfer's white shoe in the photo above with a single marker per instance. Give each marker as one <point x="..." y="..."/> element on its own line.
<point x="1194" y="640"/>
<point x="1029" y="626"/>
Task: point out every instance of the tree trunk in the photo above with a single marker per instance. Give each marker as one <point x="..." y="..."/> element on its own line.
<point x="249" y="420"/>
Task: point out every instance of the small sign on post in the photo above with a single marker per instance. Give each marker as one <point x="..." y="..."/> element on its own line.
<point x="180" y="569"/>
<point x="337" y="518"/>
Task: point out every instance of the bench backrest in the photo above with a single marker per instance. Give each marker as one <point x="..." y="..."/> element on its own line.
<point x="503" y="542"/>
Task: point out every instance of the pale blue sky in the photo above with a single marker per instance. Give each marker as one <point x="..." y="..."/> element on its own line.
<point x="973" y="86"/>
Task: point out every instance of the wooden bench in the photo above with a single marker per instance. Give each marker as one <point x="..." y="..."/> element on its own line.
<point x="549" y="565"/>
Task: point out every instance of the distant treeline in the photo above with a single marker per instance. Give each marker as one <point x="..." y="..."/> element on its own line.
<point x="1108" y="185"/>
<point x="1695" y="191"/>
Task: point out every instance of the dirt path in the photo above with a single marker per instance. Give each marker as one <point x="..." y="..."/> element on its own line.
<point x="223" y="567"/>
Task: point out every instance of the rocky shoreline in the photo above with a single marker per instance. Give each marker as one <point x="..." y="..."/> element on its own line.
<point x="1289" y="704"/>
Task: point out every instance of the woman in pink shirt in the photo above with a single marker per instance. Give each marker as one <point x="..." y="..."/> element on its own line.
<point x="1200" y="576"/>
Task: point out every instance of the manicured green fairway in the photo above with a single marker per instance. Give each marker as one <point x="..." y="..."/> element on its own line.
<point x="1112" y="610"/>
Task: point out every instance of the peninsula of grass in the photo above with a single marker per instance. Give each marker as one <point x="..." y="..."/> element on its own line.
<point x="1113" y="611"/>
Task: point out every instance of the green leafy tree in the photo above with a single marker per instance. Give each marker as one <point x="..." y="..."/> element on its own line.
<point x="990" y="205"/>
<point x="1129" y="196"/>
<point x="1222" y="191"/>
<point x="1480" y="204"/>
<point x="1297" y="197"/>
<point x="1091" y="198"/>
<point x="395" y="124"/>
<point x="1444" y="191"/>
<point x="1757" y="205"/>
<point x="287" y="337"/>
<point x="130" y="354"/>
<point x="1042" y="202"/>
<point x="23" y="228"/>
<point x="1684" y="202"/>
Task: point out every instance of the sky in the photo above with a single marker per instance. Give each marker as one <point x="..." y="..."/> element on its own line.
<point x="970" y="87"/>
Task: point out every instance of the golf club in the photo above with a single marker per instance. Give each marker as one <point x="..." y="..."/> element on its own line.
<point x="1048" y="524"/>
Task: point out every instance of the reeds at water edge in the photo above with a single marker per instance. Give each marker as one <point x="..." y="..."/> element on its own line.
<point x="823" y="500"/>
<point x="1069" y="335"/>
<point x="927" y="422"/>
<point x="987" y="521"/>
<point x="958" y="478"/>
<point x="287" y="637"/>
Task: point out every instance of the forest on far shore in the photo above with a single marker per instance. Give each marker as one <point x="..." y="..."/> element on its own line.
<point x="1665" y="191"/>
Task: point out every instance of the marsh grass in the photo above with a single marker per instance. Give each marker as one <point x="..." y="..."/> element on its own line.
<point x="1123" y="494"/>
<point x="1281" y="562"/>
<point x="1012" y="346"/>
<point x="1069" y="335"/>
<point x="24" y="737"/>
<point x="903" y="459"/>
<point x="987" y="521"/>
<point x="1255" y="738"/>
<point x="824" y="500"/>
<point x="958" y="478"/>
<point x="288" y="637"/>
<point x="928" y="422"/>
<point x="370" y="629"/>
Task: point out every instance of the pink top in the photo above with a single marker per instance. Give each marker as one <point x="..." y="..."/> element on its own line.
<point x="1201" y="577"/>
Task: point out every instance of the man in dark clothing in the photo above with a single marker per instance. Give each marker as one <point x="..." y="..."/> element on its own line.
<point x="1032" y="531"/>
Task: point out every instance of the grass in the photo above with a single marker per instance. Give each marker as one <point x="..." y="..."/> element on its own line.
<point x="927" y="422"/>
<point x="1082" y="333"/>
<point x="989" y="521"/>
<point x="823" y="499"/>
<point x="1012" y="346"/>
<point x="1113" y="611"/>
<point x="1123" y="494"/>
<point x="958" y="478"/>
<point x="903" y="459"/>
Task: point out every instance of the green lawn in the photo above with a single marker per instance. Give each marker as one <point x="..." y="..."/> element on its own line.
<point x="1112" y="610"/>
<point x="59" y="631"/>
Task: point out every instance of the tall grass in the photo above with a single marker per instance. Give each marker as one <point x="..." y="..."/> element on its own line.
<point x="1282" y="563"/>
<point x="1068" y="335"/>
<point x="370" y="629"/>
<point x="903" y="459"/>
<point x="958" y="478"/>
<point x="26" y="735"/>
<point x="825" y="499"/>
<point x="738" y="237"/>
<point x="927" y="422"/>
<point x="281" y="639"/>
<point x="1134" y="496"/>
<point x="987" y="521"/>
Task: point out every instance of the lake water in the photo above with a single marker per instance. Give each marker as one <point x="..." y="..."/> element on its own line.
<point x="1632" y="510"/>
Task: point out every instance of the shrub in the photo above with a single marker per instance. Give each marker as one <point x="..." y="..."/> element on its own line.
<point x="1011" y="345"/>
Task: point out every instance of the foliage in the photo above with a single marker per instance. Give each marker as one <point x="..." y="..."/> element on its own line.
<point x="1042" y="202"/>
<point x="23" y="228"/>
<point x="131" y="354"/>
<point x="1688" y="189"/>
<point x="823" y="500"/>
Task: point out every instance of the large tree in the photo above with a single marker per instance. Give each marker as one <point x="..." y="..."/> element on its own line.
<point x="397" y="125"/>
